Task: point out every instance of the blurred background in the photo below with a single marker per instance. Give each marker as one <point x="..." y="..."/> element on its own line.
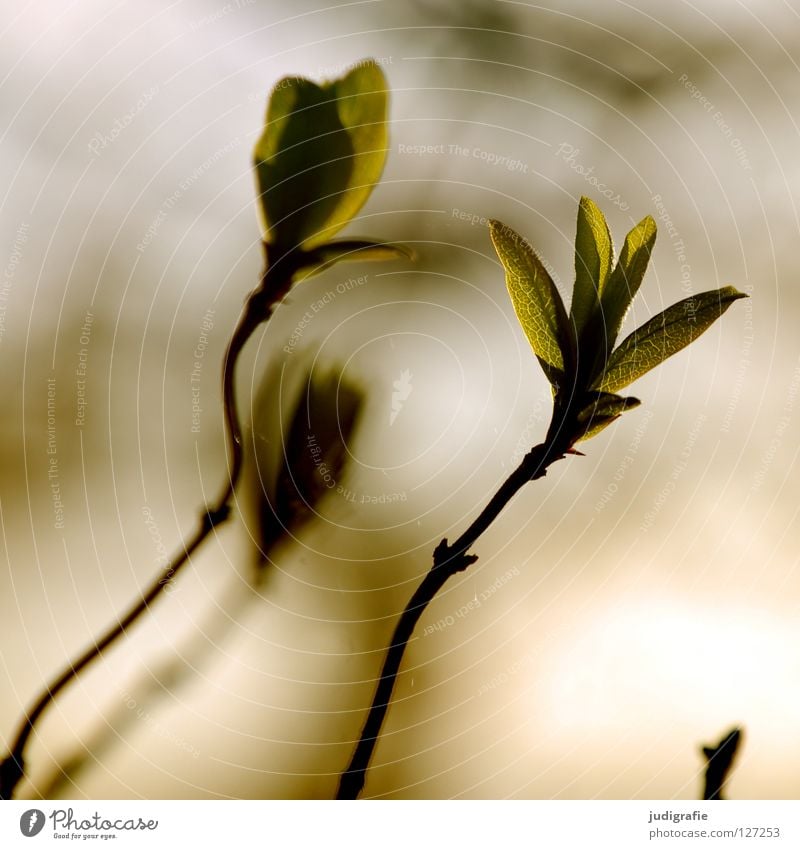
<point x="628" y="608"/>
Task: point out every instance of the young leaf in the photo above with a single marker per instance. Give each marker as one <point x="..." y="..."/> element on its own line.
<point x="362" y="98"/>
<point x="303" y="162"/>
<point x="360" y="249"/>
<point x="625" y="279"/>
<point x="604" y="409"/>
<point x="664" y="335"/>
<point x="321" y="152"/>
<point x="536" y="300"/>
<point x="593" y="258"/>
<point x="349" y="250"/>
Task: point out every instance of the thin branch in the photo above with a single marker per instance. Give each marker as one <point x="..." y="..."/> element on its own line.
<point x="448" y="560"/>
<point x="720" y="760"/>
<point x="259" y="307"/>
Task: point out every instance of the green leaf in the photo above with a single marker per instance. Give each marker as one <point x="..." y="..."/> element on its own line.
<point x="593" y="258"/>
<point x="536" y="300"/>
<point x="352" y="250"/>
<point x="362" y="98"/>
<point x="664" y="335"/>
<point x="320" y="155"/>
<point x="601" y="411"/>
<point x="626" y="278"/>
<point x="361" y="249"/>
<point x="303" y="162"/>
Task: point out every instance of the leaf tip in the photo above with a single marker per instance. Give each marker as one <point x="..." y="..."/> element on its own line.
<point x="368" y="68"/>
<point x="405" y="251"/>
<point x="499" y="231"/>
<point x="586" y="203"/>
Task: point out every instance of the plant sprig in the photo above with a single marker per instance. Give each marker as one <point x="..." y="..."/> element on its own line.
<point x="320" y="156"/>
<point x="577" y="353"/>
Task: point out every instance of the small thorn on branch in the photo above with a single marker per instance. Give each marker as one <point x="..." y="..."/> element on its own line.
<point x="441" y="554"/>
<point x="454" y="561"/>
<point x="212" y="518"/>
<point x="465" y="561"/>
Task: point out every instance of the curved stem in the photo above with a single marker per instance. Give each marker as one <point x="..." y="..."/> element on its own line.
<point x="448" y="560"/>
<point x="258" y="308"/>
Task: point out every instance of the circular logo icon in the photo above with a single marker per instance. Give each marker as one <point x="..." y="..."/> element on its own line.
<point x="31" y="822"/>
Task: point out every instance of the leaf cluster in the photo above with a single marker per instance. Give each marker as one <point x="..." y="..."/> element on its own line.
<point x="578" y="349"/>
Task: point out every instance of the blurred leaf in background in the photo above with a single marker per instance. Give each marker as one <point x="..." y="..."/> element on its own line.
<point x="301" y="454"/>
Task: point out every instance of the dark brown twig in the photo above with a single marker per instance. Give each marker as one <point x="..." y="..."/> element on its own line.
<point x="448" y="560"/>
<point x="720" y="761"/>
<point x="259" y="306"/>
